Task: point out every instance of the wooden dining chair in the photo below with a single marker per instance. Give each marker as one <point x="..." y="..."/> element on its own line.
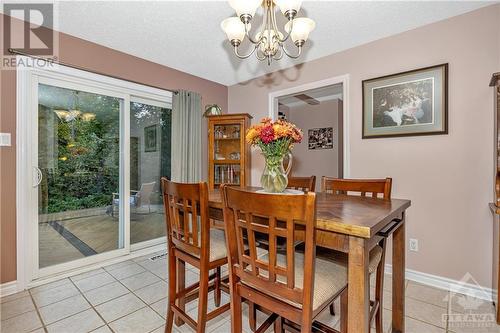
<point x="190" y="239"/>
<point x="294" y="287"/>
<point x="306" y="184"/>
<point x="377" y="188"/>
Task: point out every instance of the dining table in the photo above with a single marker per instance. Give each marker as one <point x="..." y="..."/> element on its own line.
<point x="354" y="225"/>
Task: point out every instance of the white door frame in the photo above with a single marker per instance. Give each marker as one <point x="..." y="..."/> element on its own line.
<point x="26" y="152"/>
<point x="344" y="80"/>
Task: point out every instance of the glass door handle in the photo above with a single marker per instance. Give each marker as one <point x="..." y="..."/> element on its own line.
<point x="39" y="176"/>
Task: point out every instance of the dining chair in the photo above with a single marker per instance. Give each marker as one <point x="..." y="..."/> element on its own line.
<point x="191" y="240"/>
<point x="306" y="184"/>
<point x="294" y="287"/>
<point x="377" y="188"/>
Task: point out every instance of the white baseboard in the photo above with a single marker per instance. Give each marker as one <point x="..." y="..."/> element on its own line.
<point x="8" y="288"/>
<point x="463" y="286"/>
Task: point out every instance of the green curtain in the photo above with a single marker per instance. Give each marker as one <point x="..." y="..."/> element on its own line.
<point x="186" y="137"/>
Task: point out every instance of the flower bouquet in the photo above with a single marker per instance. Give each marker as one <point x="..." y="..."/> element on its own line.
<point x="275" y="139"/>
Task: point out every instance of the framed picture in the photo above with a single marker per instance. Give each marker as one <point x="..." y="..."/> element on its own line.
<point x="320" y="138"/>
<point x="406" y="104"/>
<point x="150" y="138"/>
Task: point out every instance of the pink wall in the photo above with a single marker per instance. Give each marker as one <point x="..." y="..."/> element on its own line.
<point x="319" y="162"/>
<point x="449" y="178"/>
<point x="93" y="57"/>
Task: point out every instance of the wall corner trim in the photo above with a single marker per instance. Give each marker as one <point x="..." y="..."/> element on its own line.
<point x="8" y="288"/>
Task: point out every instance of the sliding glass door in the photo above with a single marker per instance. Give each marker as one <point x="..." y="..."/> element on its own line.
<point x="150" y="128"/>
<point x="98" y="153"/>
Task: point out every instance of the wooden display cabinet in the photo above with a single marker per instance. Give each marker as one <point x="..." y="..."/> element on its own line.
<point x="228" y="153"/>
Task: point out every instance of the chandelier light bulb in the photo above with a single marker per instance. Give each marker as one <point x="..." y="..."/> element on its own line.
<point x="302" y="26"/>
<point x="289" y="8"/>
<point x="234" y="29"/>
<point x="245" y="7"/>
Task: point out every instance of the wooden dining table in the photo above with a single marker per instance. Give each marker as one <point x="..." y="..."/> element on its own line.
<point x="354" y="225"/>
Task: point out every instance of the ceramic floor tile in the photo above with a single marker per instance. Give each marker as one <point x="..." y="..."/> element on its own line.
<point x="154" y="265"/>
<point x="161" y="272"/>
<point x="93" y="282"/>
<point x="140" y="280"/>
<point x="119" y="265"/>
<point x="82" y="322"/>
<point x="14" y="296"/>
<point x="102" y="329"/>
<point x="16" y="307"/>
<point x="49" y="286"/>
<point x="38" y="330"/>
<point x="161" y="329"/>
<point x="125" y="272"/>
<point x="161" y="307"/>
<point x="105" y="293"/>
<point x="48" y="296"/>
<point x="141" y="321"/>
<point x="427" y="294"/>
<point x="87" y="274"/>
<point x="415" y="326"/>
<point x="153" y="293"/>
<point x="464" y="303"/>
<point x="428" y="313"/>
<point x="25" y="322"/>
<point x="119" y="307"/>
<point x="60" y="310"/>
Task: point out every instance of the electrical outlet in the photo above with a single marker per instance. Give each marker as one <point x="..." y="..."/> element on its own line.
<point x="414" y="244"/>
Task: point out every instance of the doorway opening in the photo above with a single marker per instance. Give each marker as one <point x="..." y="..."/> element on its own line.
<point x="320" y="113"/>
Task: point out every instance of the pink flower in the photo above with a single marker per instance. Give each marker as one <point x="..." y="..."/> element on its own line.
<point x="267" y="134"/>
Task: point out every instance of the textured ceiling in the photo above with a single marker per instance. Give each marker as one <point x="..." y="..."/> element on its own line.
<point x="186" y="35"/>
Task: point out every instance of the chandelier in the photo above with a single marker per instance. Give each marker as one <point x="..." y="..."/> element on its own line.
<point x="269" y="42"/>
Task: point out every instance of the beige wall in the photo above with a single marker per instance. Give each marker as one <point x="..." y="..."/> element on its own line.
<point x="93" y="57"/>
<point x="318" y="162"/>
<point x="447" y="177"/>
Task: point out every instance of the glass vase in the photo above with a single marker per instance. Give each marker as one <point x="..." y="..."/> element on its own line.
<point x="274" y="178"/>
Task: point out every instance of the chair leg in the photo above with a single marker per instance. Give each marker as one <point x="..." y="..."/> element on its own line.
<point x="217" y="291"/>
<point x="252" y="316"/>
<point x="332" y="309"/>
<point x="202" y="301"/>
<point x="343" y="311"/>
<point x="236" y="313"/>
<point x="379" y="289"/>
<point x="172" y="288"/>
<point x="181" y="285"/>
<point x="278" y="325"/>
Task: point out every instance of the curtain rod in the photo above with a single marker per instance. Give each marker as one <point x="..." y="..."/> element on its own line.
<point x="14" y="51"/>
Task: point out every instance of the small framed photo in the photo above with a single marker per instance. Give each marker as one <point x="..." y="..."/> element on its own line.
<point x="150" y="138"/>
<point x="320" y="138"/>
<point x="406" y="104"/>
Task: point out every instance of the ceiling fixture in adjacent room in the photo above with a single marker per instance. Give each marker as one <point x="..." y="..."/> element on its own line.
<point x="268" y="43"/>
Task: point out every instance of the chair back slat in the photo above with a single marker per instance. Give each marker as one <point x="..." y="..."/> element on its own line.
<point x="186" y="208"/>
<point x="377" y="188"/>
<point x="272" y="216"/>
<point x="306" y="184"/>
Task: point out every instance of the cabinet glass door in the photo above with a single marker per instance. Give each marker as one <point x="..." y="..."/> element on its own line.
<point x="227" y="154"/>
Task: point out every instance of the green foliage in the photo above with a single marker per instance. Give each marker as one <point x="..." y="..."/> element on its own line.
<point x="87" y="171"/>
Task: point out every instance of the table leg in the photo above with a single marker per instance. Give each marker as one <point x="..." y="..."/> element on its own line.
<point x="398" y="278"/>
<point x="358" y="308"/>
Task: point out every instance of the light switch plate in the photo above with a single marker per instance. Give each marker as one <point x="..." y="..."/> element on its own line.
<point x="5" y="140"/>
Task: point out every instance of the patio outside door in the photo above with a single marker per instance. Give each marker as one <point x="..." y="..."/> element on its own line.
<point x="78" y="174"/>
<point x="94" y="151"/>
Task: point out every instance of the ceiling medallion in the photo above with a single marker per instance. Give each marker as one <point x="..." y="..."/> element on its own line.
<point x="269" y="41"/>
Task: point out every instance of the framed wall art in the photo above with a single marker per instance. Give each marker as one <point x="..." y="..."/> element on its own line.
<point x="406" y="104"/>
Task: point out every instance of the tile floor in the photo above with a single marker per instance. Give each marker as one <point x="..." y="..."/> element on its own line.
<point x="131" y="297"/>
